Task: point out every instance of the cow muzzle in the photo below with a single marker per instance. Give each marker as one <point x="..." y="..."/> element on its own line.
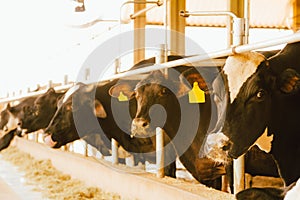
<point x="216" y="147"/>
<point x="140" y="127"/>
<point x="48" y="141"/>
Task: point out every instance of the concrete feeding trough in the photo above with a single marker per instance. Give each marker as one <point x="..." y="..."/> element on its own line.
<point x="128" y="182"/>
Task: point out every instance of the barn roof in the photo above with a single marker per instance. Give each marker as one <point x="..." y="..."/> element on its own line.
<point x="263" y="13"/>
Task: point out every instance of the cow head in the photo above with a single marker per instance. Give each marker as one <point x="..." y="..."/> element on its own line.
<point x="8" y="119"/>
<point x="243" y="94"/>
<point x="155" y="97"/>
<point x="77" y="111"/>
<point x="39" y="115"/>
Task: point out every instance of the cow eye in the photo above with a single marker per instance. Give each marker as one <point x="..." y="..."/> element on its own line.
<point x="163" y="91"/>
<point x="260" y="94"/>
<point x="36" y="113"/>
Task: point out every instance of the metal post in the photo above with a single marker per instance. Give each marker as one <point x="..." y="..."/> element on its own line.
<point x="239" y="163"/>
<point x="139" y="32"/>
<point x="50" y="84"/>
<point x="117" y="65"/>
<point x="114" y="149"/>
<point x="239" y="174"/>
<point x="66" y="79"/>
<point x="160" y="152"/>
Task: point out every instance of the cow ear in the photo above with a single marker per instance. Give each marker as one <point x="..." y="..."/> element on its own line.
<point x="99" y="110"/>
<point x="183" y="89"/>
<point x="124" y="88"/>
<point x="8" y="106"/>
<point x="289" y="81"/>
<point x="50" y="90"/>
<point x="187" y="79"/>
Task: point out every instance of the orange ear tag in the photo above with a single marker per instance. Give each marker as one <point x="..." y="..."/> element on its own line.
<point x="196" y="95"/>
<point x="122" y="97"/>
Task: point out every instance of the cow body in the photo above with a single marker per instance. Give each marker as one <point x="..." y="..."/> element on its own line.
<point x="264" y="94"/>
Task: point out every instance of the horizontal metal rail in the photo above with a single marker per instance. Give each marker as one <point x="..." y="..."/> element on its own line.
<point x="185" y="61"/>
<point x="33" y="94"/>
<point x="185" y="13"/>
<point x="216" y="54"/>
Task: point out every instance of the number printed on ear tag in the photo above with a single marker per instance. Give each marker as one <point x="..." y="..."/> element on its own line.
<point x="122" y="97"/>
<point x="196" y="95"/>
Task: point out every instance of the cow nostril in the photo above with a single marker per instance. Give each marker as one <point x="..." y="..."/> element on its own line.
<point x="227" y="146"/>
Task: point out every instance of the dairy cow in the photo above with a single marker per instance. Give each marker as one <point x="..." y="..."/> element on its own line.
<point x="253" y="93"/>
<point x="162" y="102"/>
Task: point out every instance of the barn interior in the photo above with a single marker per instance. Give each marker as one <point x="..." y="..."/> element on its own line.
<point x="95" y="42"/>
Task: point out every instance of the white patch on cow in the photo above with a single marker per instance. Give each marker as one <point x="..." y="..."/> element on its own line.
<point x="239" y="68"/>
<point x="12" y="123"/>
<point x="70" y="92"/>
<point x="294" y="193"/>
<point x="264" y="142"/>
<point x="213" y="147"/>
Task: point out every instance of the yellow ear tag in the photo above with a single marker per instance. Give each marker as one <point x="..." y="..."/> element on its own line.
<point x="196" y="95"/>
<point x="122" y="97"/>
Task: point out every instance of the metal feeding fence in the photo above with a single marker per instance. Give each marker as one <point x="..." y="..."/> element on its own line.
<point x="240" y="29"/>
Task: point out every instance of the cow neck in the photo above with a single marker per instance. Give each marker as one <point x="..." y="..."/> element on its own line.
<point x="190" y="158"/>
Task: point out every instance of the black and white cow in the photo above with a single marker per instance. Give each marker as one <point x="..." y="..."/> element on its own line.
<point x="253" y="93"/>
<point x="10" y="116"/>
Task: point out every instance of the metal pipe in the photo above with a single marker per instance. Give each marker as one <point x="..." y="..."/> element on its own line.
<point x="134" y="15"/>
<point x="216" y="54"/>
<point x="114" y="153"/>
<point x="185" y="61"/>
<point x="158" y="3"/>
<point x="247" y="18"/>
<point x="239" y="163"/>
<point x="160" y="152"/>
<point x="32" y="94"/>
<point x="185" y="13"/>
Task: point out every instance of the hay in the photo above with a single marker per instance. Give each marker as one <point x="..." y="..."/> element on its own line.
<point x="52" y="183"/>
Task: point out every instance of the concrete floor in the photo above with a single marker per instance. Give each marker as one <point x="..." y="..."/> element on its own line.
<point x="13" y="186"/>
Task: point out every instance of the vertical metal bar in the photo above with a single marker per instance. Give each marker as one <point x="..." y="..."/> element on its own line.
<point x="117" y="65"/>
<point x="139" y="32"/>
<point x="66" y="79"/>
<point x="239" y="163"/>
<point x="114" y="149"/>
<point x="247" y="19"/>
<point x="160" y="152"/>
<point x="239" y="174"/>
<point x="162" y="57"/>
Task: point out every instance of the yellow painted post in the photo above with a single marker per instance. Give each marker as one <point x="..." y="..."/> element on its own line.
<point x="139" y="32"/>
<point x="296" y="15"/>
<point x="176" y="24"/>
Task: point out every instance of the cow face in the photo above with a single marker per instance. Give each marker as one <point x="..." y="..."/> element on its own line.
<point x="155" y="97"/>
<point x="39" y="115"/>
<point x="8" y="121"/>
<point x="76" y="113"/>
<point x="244" y="103"/>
